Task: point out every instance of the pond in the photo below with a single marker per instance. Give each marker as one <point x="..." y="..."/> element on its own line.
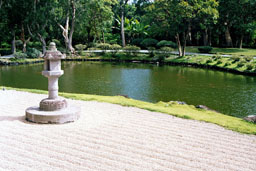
<point x="225" y="92"/>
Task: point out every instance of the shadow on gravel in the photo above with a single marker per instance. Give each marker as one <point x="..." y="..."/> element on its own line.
<point x="14" y="118"/>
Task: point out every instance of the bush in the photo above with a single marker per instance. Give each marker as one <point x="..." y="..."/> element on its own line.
<point x="249" y="66"/>
<point x="57" y="42"/>
<point x="80" y="48"/>
<point x="205" y="49"/>
<point x="137" y="42"/>
<point x="19" y="43"/>
<point x="227" y="64"/>
<point x="20" y="55"/>
<point x="248" y="58"/>
<point x="165" y="43"/>
<point x="209" y="61"/>
<point x="235" y="58"/>
<point x="241" y="63"/>
<point x="166" y="49"/>
<point x="33" y="53"/>
<point x="103" y="46"/>
<point x="131" y="50"/>
<point x="151" y="51"/>
<point x="216" y="57"/>
<point x="159" y="57"/>
<point x="5" y="51"/>
<point x="34" y="45"/>
<point x="149" y="43"/>
<point x="5" y="45"/>
<point x="115" y="48"/>
<point x="219" y="62"/>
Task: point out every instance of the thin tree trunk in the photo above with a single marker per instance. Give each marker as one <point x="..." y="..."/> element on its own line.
<point x="13" y="43"/>
<point x="65" y="32"/>
<point x="70" y="47"/>
<point x="178" y="44"/>
<point x="43" y="42"/>
<point x="210" y="38"/>
<point x="103" y="36"/>
<point x="241" y="41"/>
<point x="184" y="34"/>
<point x="228" y="37"/>
<point x="122" y="28"/>
<point x="1" y="3"/>
<point x="24" y="41"/>
<point x="206" y="36"/>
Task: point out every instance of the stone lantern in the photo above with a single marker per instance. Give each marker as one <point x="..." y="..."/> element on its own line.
<point x="53" y="109"/>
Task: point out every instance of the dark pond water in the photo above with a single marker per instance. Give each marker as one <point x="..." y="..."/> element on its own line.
<point x="225" y="92"/>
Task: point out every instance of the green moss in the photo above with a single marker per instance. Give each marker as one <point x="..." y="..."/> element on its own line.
<point x="182" y="111"/>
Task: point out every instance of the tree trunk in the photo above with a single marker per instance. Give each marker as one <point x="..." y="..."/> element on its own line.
<point x="178" y="44"/>
<point x="122" y="27"/>
<point x="24" y="41"/>
<point x="228" y="37"/>
<point x="70" y="47"/>
<point x="103" y="36"/>
<point x="13" y="43"/>
<point x="184" y="43"/>
<point x="210" y="38"/>
<point x="42" y="39"/>
<point x="241" y="41"/>
<point x="206" y="37"/>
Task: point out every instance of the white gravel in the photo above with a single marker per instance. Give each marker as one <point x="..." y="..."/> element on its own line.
<point x="112" y="137"/>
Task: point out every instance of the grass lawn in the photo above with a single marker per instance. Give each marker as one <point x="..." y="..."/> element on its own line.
<point x="171" y="108"/>
<point x="228" y="51"/>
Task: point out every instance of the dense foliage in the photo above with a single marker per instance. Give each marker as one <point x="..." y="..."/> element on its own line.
<point x="144" y="23"/>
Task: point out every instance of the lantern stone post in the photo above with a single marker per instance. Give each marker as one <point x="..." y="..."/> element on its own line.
<point x="53" y="109"/>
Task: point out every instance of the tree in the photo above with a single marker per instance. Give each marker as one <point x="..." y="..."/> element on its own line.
<point x="40" y="20"/>
<point x="177" y="16"/>
<point x="122" y="4"/>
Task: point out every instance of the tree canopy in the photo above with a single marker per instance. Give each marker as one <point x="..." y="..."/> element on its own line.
<point x="220" y="23"/>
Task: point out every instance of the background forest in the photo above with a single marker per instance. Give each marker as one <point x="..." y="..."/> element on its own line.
<point x="147" y="24"/>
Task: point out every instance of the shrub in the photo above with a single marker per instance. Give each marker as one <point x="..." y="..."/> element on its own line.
<point x="115" y="48"/>
<point x="248" y="58"/>
<point x="5" y="51"/>
<point x="227" y="64"/>
<point x="165" y="43"/>
<point x="80" y="48"/>
<point x="215" y="58"/>
<point x="137" y="42"/>
<point x="241" y="63"/>
<point x="209" y="61"/>
<point x="18" y="43"/>
<point x="205" y="49"/>
<point x="103" y="46"/>
<point x="131" y="50"/>
<point x="166" y="49"/>
<point x="219" y="62"/>
<point x="20" y="55"/>
<point x="57" y="42"/>
<point x="34" y="44"/>
<point x="235" y="58"/>
<point x="159" y="57"/>
<point x="249" y="66"/>
<point x="33" y="53"/>
<point x="151" y="51"/>
<point x="5" y="45"/>
<point x="149" y="43"/>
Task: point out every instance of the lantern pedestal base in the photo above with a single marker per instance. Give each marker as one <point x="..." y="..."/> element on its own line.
<point x="69" y="114"/>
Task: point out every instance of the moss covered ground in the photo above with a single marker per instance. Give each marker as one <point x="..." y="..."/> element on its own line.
<point x="171" y="108"/>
